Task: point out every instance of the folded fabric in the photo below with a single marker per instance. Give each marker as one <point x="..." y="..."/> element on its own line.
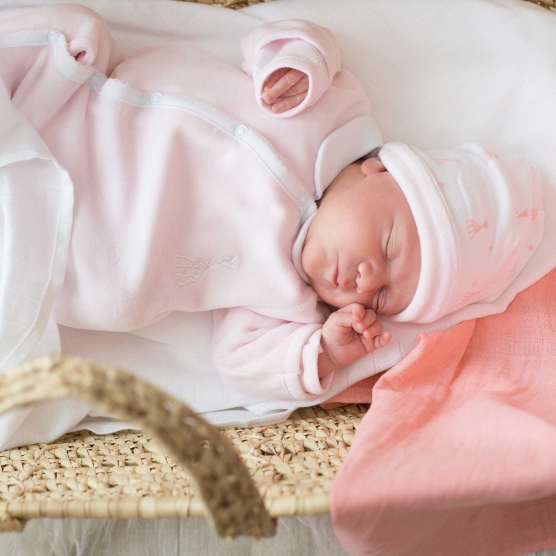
<point x="457" y="454"/>
<point x="35" y="236"/>
<point x="34" y="241"/>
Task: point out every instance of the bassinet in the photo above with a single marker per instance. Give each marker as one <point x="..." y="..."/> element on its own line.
<point x="129" y="474"/>
<point x="180" y="466"/>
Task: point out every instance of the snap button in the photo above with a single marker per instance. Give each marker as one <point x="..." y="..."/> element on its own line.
<point x="156" y="98"/>
<point x="241" y="131"/>
<point x="53" y="37"/>
<point x="95" y="79"/>
<point x="303" y="199"/>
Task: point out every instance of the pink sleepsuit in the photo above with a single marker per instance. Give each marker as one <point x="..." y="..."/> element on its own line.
<point x="189" y="194"/>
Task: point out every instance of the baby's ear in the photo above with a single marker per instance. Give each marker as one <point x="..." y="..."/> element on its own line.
<point x="372" y="166"/>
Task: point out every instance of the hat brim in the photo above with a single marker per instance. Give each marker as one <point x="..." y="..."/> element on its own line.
<point x="439" y="248"/>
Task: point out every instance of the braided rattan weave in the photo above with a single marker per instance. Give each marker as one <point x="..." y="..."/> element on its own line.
<point x="235" y="4"/>
<point x="179" y="466"/>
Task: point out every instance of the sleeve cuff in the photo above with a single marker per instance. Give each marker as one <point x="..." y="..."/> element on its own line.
<point x="314" y="67"/>
<point x="310" y="381"/>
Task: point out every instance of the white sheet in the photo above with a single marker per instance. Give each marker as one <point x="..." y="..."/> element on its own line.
<point x="439" y="73"/>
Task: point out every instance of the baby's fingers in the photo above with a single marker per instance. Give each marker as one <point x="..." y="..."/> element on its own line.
<point x="302" y="86"/>
<point x="273" y="78"/>
<point x="339" y="326"/>
<point x="365" y="319"/>
<point x="381" y="340"/>
<point x="374" y="338"/>
<point x="288" y="103"/>
<point x="286" y="79"/>
<point x="372" y="331"/>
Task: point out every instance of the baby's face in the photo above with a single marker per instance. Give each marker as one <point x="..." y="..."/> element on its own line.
<point x="362" y="245"/>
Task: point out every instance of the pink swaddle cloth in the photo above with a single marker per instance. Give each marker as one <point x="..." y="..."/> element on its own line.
<point x="479" y="216"/>
<point x="457" y="453"/>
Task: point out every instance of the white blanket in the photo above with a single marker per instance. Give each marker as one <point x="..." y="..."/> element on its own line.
<point x="438" y="74"/>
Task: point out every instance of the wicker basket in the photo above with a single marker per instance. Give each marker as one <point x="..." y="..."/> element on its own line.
<point x="179" y="466"/>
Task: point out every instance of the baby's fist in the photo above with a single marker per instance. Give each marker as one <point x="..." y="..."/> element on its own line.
<point x="285" y="89"/>
<point x="350" y="333"/>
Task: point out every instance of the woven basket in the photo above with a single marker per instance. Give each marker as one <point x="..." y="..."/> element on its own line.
<point x="235" y="4"/>
<point x="179" y="466"/>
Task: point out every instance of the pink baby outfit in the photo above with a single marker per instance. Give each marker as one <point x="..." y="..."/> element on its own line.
<point x="189" y="194"/>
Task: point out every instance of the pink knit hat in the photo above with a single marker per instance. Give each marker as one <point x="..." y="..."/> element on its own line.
<point x="479" y="216"/>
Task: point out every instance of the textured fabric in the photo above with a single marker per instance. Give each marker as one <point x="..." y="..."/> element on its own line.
<point x="457" y="454"/>
<point x="34" y="236"/>
<point x="297" y="45"/>
<point x="479" y="217"/>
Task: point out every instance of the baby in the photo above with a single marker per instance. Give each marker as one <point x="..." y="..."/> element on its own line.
<point x="414" y="236"/>
<point x="191" y="193"/>
<point x="362" y="251"/>
<point x="352" y="331"/>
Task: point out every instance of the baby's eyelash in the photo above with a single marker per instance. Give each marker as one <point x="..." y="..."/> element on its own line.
<point x="388" y="249"/>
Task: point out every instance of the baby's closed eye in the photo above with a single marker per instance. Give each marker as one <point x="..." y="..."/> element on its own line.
<point x="389" y="251"/>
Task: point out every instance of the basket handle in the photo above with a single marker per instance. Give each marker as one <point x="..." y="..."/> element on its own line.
<point x="235" y="507"/>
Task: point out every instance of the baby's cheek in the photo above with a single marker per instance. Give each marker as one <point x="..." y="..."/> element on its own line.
<point x="324" y="295"/>
<point x="307" y="263"/>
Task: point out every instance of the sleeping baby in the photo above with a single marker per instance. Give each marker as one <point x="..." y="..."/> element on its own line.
<point x="272" y="209"/>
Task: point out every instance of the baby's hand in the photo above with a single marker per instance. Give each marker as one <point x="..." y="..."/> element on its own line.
<point x="350" y="333"/>
<point x="285" y="89"/>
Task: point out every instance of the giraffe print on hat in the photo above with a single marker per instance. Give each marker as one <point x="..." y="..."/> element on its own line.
<point x="518" y="216"/>
<point x="468" y="296"/>
<point x="473" y="228"/>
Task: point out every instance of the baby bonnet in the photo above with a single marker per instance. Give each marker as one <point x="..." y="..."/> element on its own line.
<point x="479" y="216"/>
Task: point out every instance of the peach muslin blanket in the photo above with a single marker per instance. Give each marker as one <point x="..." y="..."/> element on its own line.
<point x="457" y="454"/>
